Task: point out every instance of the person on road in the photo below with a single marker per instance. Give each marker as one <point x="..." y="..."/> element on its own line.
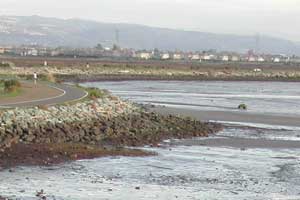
<point x="35" y="77"/>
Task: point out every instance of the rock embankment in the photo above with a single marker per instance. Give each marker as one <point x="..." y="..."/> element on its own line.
<point x="105" y="122"/>
<point x="32" y="124"/>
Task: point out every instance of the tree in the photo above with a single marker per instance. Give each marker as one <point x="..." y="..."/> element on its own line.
<point x="115" y="47"/>
<point x="99" y="47"/>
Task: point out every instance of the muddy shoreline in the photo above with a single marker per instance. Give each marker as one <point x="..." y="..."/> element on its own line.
<point x="233" y="141"/>
<point x="109" y="77"/>
<point x="240" y="143"/>
<point x="230" y="116"/>
<point x="48" y="144"/>
<point x="54" y="154"/>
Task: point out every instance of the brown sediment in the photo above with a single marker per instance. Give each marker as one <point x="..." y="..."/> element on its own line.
<point x="51" y="154"/>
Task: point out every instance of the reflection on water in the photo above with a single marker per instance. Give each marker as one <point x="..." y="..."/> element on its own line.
<point x="261" y="97"/>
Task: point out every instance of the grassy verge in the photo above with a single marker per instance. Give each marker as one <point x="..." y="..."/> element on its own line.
<point x="10" y="88"/>
<point x="93" y="94"/>
<point x="11" y="94"/>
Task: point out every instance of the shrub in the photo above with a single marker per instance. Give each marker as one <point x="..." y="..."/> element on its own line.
<point x="4" y="65"/>
<point x="11" y="85"/>
<point x="51" y="78"/>
<point x="242" y="107"/>
<point x="95" y="93"/>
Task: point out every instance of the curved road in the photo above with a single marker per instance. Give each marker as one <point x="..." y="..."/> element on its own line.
<point x="70" y="93"/>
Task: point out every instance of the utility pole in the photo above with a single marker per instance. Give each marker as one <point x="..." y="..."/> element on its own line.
<point x="117" y="37"/>
<point x="257" y="43"/>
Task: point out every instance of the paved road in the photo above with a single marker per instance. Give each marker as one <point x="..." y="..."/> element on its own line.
<point x="70" y="93"/>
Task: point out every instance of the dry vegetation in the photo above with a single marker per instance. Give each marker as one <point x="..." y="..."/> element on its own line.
<point x="75" y="70"/>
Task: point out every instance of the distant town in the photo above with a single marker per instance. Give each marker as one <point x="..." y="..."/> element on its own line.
<point x="117" y="52"/>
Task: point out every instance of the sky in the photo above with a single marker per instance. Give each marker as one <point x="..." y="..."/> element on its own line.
<point x="278" y="18"/>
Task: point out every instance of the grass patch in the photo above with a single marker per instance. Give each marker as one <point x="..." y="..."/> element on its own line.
<point x="11" y="94"/>
<point x="8" y="77"/>
<point x="10" y="88"/>
<point x="4" y="65"/>
<point x="94" y="93"/>
<point x="49" y="77"/>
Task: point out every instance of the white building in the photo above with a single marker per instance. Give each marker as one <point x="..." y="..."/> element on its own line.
<point x="177" y="56"/>
<point x="144" y="55"/>
<point x="225" y="58"/>
<point x="207" y="57"/>
<point x="235" y="58"/>
<point x="196" y="57"/>
<point x="165" y="56"/>
<point x="2" y="50"/>
<point x="251" y="59"/>
<point x="276" y="60"/>
<point x="261" y="59"/>
<point x="55" y="53"/>
<point x="257" y="70"/>
<point x="32" y="52"/>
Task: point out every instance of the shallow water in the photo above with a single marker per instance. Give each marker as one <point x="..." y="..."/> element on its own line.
<point x="183" y="171"/>
<point x="261" y="97"/>
<point x="178" y="172"/>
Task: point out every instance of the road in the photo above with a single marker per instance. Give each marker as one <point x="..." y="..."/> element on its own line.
<point x="67" y="93"/>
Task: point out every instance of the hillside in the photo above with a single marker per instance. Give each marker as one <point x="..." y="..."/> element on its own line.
<point x="82" y="33"/>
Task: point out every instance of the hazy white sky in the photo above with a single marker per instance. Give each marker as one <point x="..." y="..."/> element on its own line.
<point x="273" y="17"/>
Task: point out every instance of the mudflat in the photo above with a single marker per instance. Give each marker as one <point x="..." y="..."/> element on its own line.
<point x="235" y="142"/>
<point x="242" y="143"/>
<point x="228" y="116"/>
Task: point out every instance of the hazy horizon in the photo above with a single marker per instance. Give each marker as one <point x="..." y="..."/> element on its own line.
<point x="275" y="18"/>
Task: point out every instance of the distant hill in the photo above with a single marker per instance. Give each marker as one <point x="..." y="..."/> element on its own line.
<point x="82" y="33"/>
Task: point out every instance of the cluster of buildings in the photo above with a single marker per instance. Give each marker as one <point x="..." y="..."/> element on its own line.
<point x="214" y="56"/>
<point x="40" y="51"/>
<point x="120" y="53"/>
